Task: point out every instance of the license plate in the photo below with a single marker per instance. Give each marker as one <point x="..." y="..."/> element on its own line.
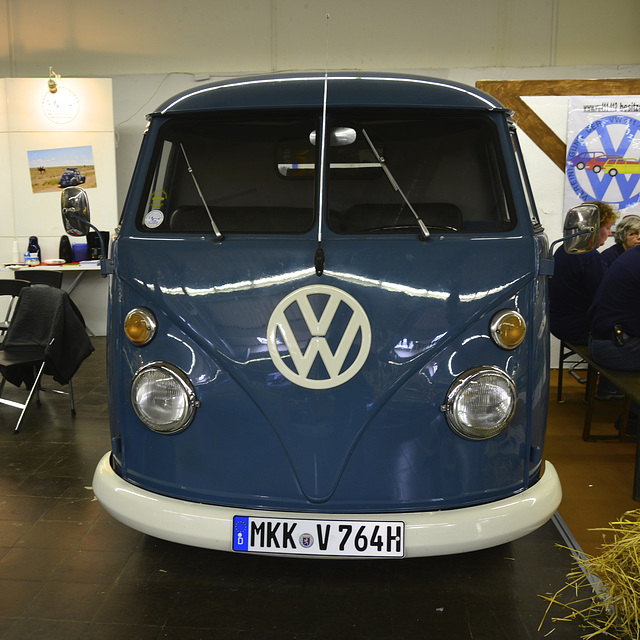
<point x="293" y="536"/>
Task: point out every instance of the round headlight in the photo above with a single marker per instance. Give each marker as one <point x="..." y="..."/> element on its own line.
<point x="480" y="403"/>
<point x="163" y="398"/>
<point x="507" y="328"/>
<point x="140" y="326"/>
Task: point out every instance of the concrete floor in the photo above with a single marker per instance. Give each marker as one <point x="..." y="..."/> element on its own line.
<point x="68" y="570"/>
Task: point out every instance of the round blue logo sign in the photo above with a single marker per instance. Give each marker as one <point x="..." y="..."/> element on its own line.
<point x="602" y="161"/>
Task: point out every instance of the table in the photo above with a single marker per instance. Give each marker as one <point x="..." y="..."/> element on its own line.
<point x="90" y="297"/>
<point x="73" y="267"/>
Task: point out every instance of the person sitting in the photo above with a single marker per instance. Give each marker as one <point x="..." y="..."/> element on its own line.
<point x="627" y="235"/>
<point x="575" y="280"/>
<point x="614" y="318"/>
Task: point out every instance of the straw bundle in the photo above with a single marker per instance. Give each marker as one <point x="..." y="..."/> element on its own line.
<point x="612" y="601"/>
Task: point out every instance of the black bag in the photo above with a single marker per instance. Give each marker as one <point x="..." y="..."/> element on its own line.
<point x="65" y="253"/>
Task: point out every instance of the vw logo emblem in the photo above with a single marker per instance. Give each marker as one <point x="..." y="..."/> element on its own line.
<point x="338" y="368"/>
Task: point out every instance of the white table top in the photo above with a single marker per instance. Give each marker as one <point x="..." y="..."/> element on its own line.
<point x="90" y="265"/>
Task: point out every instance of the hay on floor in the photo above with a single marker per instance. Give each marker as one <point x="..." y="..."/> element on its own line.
<point x="603" y="592"/>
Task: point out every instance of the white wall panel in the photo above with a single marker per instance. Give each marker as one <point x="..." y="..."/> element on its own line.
<point x="27" y="128"/>
<point x="593" y="32"/>
<point x="27" y="98"/>
<point x="121" y="37"/>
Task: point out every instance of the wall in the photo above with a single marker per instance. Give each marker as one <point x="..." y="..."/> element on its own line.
<point x="33" y="133"/>
<point x="121" y="37"/>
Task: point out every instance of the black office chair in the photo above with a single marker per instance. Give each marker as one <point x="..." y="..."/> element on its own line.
<point x="41" y="276"/>
<point x="11" y="289"/>
<point x="46" y="336"/>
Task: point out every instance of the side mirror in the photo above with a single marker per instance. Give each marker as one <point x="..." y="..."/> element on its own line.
<point x="581" y="228"/>
<point x="75" y="211"/>
<point x="76" y="218"/>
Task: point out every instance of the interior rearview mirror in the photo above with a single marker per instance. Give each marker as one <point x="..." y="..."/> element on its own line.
<point x="338" y="136"/>
<point x="75" y="211"/>
<point x="581" y="227"/>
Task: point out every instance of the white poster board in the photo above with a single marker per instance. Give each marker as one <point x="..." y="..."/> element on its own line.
<point x="603" y="152"/>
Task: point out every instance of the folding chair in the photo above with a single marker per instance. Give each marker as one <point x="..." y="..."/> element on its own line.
<point x="46" y="336"/>
<point x="567" y="352"/>
<point x="11" y="289"/>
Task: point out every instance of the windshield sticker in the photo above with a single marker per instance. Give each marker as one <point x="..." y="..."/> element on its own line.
<point x="153" y="219"/>
<point x="335" y="366"/>
<point x="157" y="198"/>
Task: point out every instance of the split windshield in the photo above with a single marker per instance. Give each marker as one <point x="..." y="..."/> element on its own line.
<point x="257" y="174"/>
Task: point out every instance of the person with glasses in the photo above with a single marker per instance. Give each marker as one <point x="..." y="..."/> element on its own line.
<point x="627" y="235"/>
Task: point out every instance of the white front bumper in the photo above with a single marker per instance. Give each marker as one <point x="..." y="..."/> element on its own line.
<point x="427" y="533"/>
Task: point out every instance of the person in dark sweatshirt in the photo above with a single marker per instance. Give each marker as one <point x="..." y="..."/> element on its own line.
<point x="614" y="318"/>
<point x="615" y="315"/>
<point x="576" y="278"/>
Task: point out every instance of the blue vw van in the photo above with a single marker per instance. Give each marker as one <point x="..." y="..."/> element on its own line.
<point x="328" y="330"/>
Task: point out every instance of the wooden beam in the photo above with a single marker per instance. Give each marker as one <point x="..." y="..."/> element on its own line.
<point x="510" y="92"/>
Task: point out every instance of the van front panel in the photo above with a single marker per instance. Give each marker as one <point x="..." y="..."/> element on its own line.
<point x="259" y="437"/>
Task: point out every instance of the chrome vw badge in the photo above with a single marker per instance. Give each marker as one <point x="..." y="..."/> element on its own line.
<point x="339" y="365"/>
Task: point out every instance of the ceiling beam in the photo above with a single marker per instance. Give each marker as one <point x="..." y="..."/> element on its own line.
<point x="510" y="93"/>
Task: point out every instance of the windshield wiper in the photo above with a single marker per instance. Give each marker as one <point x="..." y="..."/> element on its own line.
<point x="396" y="186"/>
<point x="214" y="226"/>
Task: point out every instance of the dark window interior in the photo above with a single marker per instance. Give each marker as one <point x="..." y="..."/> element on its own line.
<point x="257" y="175"/>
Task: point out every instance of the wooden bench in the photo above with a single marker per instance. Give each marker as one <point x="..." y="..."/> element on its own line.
<point x="628" y="382"/>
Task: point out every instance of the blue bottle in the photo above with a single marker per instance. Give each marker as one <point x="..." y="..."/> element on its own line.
<point x="34" y="247"/>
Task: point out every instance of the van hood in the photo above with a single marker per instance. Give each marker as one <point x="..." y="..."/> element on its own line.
<point x="320" y="357"/>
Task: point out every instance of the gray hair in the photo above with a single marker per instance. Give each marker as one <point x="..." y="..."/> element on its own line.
<point x="628" y="223"/>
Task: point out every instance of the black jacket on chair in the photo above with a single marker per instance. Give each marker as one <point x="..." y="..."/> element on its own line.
<point x="45" y="318"/>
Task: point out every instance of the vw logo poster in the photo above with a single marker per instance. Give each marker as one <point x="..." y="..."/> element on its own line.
<point x="603" y="152"/>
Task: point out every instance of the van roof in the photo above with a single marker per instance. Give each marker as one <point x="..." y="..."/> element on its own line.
<point x="352" y="88"/>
